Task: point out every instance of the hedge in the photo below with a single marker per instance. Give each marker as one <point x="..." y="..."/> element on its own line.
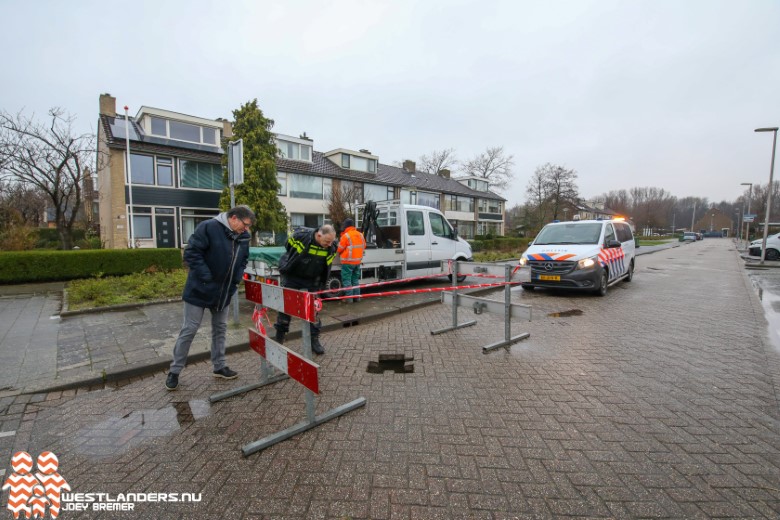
<point x="45" y="266"/>
<point x="499" y="244"/>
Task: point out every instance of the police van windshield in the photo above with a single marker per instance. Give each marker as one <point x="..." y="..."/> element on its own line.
<point x="569" y="233"/>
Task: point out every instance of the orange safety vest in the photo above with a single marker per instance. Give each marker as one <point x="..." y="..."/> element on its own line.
<point x="351" y="246"/>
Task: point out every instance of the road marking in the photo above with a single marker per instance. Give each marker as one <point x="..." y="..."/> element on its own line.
<point x="8" y="434"/>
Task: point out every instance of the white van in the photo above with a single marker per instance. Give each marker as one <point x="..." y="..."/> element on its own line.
<point x="403" y="241"/>
<point x="588" y="255"/>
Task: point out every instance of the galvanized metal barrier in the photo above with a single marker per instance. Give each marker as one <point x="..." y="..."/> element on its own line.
<point x="480" y="305"/>
<point x="302" y="305"/>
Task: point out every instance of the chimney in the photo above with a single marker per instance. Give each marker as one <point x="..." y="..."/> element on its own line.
<point x="444" y="173"/>
<point x="409" y="166"/>
<point x="107" y="105"/>
<point x="227" y="129"/>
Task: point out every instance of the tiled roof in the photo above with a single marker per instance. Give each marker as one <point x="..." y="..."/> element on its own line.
<point x="386" y="174"/>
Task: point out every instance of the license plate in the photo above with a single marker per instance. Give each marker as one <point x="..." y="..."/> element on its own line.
<point x="550" y="277"/>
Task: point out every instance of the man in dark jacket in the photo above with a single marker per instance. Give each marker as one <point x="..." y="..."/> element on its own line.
<point x="216" y="255"/>
<point x="306" y="265"/>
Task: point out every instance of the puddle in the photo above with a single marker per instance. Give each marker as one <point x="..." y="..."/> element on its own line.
<point x="565" y="314"/>
<point x="118" y="434"/>
<point x="398" y="363"/>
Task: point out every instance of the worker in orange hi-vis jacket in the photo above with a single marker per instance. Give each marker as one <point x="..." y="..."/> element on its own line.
<point x="351" y="248"/>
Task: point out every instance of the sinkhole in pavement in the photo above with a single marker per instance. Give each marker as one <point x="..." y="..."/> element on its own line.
<point x="398" y="363"/>
<point x="565" y="314"/>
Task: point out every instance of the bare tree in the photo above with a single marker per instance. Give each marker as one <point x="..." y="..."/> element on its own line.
<point x="341" y="203"/>
<point x="562" y="187"/>
<point x="492" y="165"/>
<point x="52" y="159"/>
<point x="438" y="161"/>
<point x="538" y="197"/>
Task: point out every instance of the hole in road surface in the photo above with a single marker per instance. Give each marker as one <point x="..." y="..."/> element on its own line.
<point x="398" y="363"/>
<point x="565" y="314"/>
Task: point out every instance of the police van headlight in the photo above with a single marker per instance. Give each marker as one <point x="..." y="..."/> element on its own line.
<point x="586" y="263"/>
<point x="523" y="261"/>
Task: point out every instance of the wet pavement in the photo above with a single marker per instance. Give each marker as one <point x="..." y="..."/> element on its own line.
<point x="658" y="400"/>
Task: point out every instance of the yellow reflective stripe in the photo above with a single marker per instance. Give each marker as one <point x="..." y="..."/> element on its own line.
<point x="330" y="258"/>
<point x="297" y="244"/>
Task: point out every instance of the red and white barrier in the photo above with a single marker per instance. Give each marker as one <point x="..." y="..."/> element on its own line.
<point x="299" y="304"/>
<point x="291" y="363"/>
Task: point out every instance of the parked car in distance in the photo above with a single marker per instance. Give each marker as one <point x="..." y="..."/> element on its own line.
<point x="772" y="247"/>
<point x="689" y="235"/>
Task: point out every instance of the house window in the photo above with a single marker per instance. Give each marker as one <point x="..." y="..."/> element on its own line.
<point x="190" y="218"/>
<point x="151" y="170"/>
<point x="345" y="161"/>
<point x="183" y="131"/>
<point x="164" y="171"/>
<point x="298" y="220"/>
<point x="159" y="127"/>
<point x="142" y="222"/>
<point x="305" y="186"/>
<point x="428" y="199"/>
<point x="210" y="135"/>
<point x="408" y="197"/>
<point x="375" y="192"/>
<point x="489" y="206"/>
<point x="142" y="169"/>
<point x="458" y="203"/>
<point x="199" y="175"/>
<point x="281" y="178"/>
<point x="299" y="152"/>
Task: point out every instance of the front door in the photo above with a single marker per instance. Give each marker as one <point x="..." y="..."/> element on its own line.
<point x="166" y="235"/>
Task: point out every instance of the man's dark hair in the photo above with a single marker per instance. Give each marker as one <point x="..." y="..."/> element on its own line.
<point x="242" y="212"/>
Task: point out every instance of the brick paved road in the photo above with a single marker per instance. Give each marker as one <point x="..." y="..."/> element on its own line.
<point x="658" y="401"/>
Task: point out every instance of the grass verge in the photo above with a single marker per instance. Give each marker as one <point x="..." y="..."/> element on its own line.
<point x="134" y="288"/>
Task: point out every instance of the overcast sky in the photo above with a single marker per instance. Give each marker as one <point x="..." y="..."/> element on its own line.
<point x="627" y="93"/>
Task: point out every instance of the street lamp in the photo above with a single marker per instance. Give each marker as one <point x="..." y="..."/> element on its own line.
<point x="769" y="191"/>
<point x="747" y="224"/>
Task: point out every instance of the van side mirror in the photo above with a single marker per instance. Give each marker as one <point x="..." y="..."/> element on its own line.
<point x="612" y="244"/>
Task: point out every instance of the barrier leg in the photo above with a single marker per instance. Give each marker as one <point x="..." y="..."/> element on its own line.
<point x="264" y="443"/>
<point x="265" y="379"/>
<point x="455" y="325"/>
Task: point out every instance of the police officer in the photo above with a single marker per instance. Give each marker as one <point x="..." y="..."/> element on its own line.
<point x="306" y="265"/>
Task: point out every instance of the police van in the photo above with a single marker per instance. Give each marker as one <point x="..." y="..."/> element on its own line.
<point x="585" y="255"/>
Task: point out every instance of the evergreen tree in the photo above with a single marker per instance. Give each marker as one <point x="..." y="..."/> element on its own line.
<point x="259" y="190"/>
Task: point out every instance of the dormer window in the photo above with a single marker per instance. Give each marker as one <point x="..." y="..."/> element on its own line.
<point x="361" y="164"/>
<point x="295" y="151"/>
<point x="181" y="131"/>
<point x="361" y="161"/>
